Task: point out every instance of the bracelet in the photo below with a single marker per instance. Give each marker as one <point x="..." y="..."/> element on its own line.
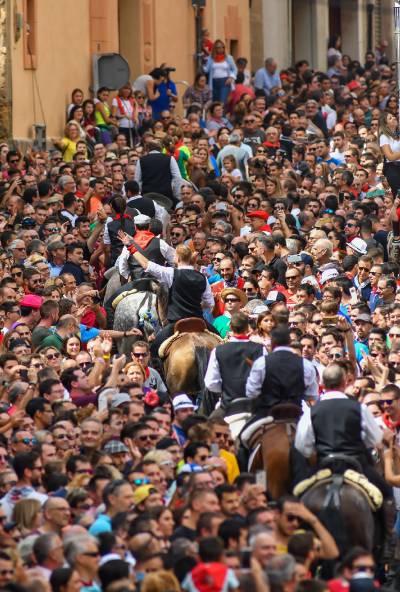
<point x="106" y="356"/>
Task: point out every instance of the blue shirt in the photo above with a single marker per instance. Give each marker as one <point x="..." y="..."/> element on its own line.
<point x="101" y="524"/>
<point x="266" y="81"/>
<point x="164" y="100"/>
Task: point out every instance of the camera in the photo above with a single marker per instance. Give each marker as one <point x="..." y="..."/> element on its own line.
<point x="168" y="70"/>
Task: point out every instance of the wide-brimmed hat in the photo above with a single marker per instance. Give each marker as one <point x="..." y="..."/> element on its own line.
<point x="235" y="292"/>
<point x="161" y="199"/>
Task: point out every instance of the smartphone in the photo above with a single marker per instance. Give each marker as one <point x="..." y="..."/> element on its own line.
<point x="294" y="259"/>
<point x="221" y="206"/>
<point x="245" y="557"/>
<point x="329" y="321"/>
<point x="353" y="294"/>
<point x="24" y="374"/>
<point x="214" y="449"/>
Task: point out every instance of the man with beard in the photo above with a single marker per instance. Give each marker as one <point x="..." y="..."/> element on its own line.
<point x="28" y="468"/>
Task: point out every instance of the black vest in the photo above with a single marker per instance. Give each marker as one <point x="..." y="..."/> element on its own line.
<point x="115" y="244"/>
<point x="152" y="252"/>
<point x="156" y="174"/>
<point x="144" y="205"/>
<point x="283" y="382"/>
<point x="337" y="427"/>
<point x="185" y="295"/>
<point x="234" y="367"/>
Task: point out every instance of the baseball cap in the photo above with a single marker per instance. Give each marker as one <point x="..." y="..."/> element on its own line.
<point x="182" y="402"/>
<point x="114" y="447"/>
<point x="142" y="219"/>
<point x="32" y="301"/>
<point x="328" y="274"/>
<point x="120" y="399"/>
<point x="258" y="214"/>
<point x="358" y="245"/>
<point x="363" y="316"/>
<point x="142" y="493"/>
<point x="353" y="85"/>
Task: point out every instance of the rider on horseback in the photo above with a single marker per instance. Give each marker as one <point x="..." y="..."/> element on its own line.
<point x="189" y="290"/>
<point x="280" y="377"/>
<point x="340" y="425"/>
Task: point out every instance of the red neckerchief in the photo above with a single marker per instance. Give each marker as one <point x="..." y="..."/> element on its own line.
<point x="219" y="57"/>
<point x="389" y="423"/>
<point x="241" y="336"/>
<point x="121" y="106"/>
<point x="125" y="216"/>
<point x="272" y="144"/>
<point x="142" y="238"/>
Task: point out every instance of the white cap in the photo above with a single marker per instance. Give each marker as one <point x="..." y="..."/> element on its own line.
<point x="182" y="402"/>
<point x="358" y="245"/>
<point x="328" y="274"/>
<point x="142" y="219"/>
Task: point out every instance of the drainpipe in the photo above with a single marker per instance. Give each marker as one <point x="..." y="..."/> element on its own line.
<point x="5" y="71"/>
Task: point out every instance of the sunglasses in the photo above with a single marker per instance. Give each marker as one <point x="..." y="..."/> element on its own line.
<point x="363" y="268"/>
<point x="232" y="300"/>
<point x="16" y="274"/>
<point x="65" y="437"/>
<point x="374" y="273"/>
<point x="318" y="322"/>
<point x="388" y="402"/>
<point x="143" y="481"/>
<point x="177" y="234"/>
<point x="203" y="457"/>
<point x="151" y="437"/>
<point x="140" y="355"/>
<point x="91" y="554"/>
<point x="349" y="225"/>
<point x="217" y="259"/>
<point x="292" y="518"/>
<point x="335" y="356"/>
<point x="53" y="356"/>
<point x="28" y="441"/>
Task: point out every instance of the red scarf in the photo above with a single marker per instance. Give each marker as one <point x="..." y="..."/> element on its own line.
<point x="125" y="216"/>
<point x="241" y="336"/>
<point x="121" y="105"/>
<point x="219" y="57"/>
<point x="271" y="144"/>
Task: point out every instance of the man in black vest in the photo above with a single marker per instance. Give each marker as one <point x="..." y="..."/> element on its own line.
<point x="189" y="290"/>
<point x="229" y="364"/>
<point x="280" y="377"/>
<point x="339" y="424"/>
<point x="158" y="173"/>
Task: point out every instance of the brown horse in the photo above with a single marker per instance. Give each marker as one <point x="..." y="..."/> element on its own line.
<point x="275" y="439"/>
<point x="186" y="360"/>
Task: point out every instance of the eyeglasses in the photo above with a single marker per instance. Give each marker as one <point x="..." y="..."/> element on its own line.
<point x="219" y="259"/>
<point x="232" y="300"/>
<point x="16" y="273"/>
<point x="248" y="120"/>
<point x="388" y="402"/>
<point x="363" y="268"/>
<point x="19" y="249"/>
<point x="145" y="437"/>
<point x="143" y="481"/>
<point x="91" y="553"/>
<point x="222" y="435"/>
<point x="141" y="355"/>
<point x="317" y="322"/>
<point x="28" y="441"/>
<point x="203" y="457"/>
<point x="64" y="437"/>
<point x="291" y="277"/>
<point x="350" y="225"/>
<point x="248" y="290"/>
<point x="178" y="234"/>
<point x="374" y="273"/>
<point x="335" y="356"/>
<point x="292" y="518"/>
<point x="7" y="572"/>
<point x="54" y="356"/>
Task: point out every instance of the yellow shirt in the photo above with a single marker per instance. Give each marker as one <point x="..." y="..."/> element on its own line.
<point x="68" y="149"/>
<point x="232" y="466"/>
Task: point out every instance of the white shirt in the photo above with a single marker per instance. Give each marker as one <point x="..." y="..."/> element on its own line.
<point x="257" y="375"/>
<point x="212" y="379"/>
<point x="121" y="263"/>
<point x="371" y="433"/>
<point x="128" y="110"/>
<point x="166" y="275"/>
<point x="388" y="141"/>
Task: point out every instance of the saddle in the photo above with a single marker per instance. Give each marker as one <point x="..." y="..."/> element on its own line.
<point x="141" y="285"/>
<point x="283" y="413"/>
<point x="183" y="327"/>
<point x="335" y="480"/>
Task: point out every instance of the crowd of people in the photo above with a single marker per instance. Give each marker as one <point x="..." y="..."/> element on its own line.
<point x="270" y="210"/>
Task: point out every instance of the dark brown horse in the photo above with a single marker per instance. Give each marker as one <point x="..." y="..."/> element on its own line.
<point x="275" y="439"/>
<point x="346" y="513"/>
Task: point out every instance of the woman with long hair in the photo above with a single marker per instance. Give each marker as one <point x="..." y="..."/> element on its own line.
<point x="265" y="324"/>
<point x="105" y="121"/>
<point x="199" y="92"/>
<point x="67" y="144"/>
<point x="221" y="70"/>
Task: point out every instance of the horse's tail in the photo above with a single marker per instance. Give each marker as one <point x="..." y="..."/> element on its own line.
<point x="201" y="354"/>
<point x="331" y="513"/>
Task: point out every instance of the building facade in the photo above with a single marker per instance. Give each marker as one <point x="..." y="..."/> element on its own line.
<point x="47" y="49"/>
<point x="290" y="30"/>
